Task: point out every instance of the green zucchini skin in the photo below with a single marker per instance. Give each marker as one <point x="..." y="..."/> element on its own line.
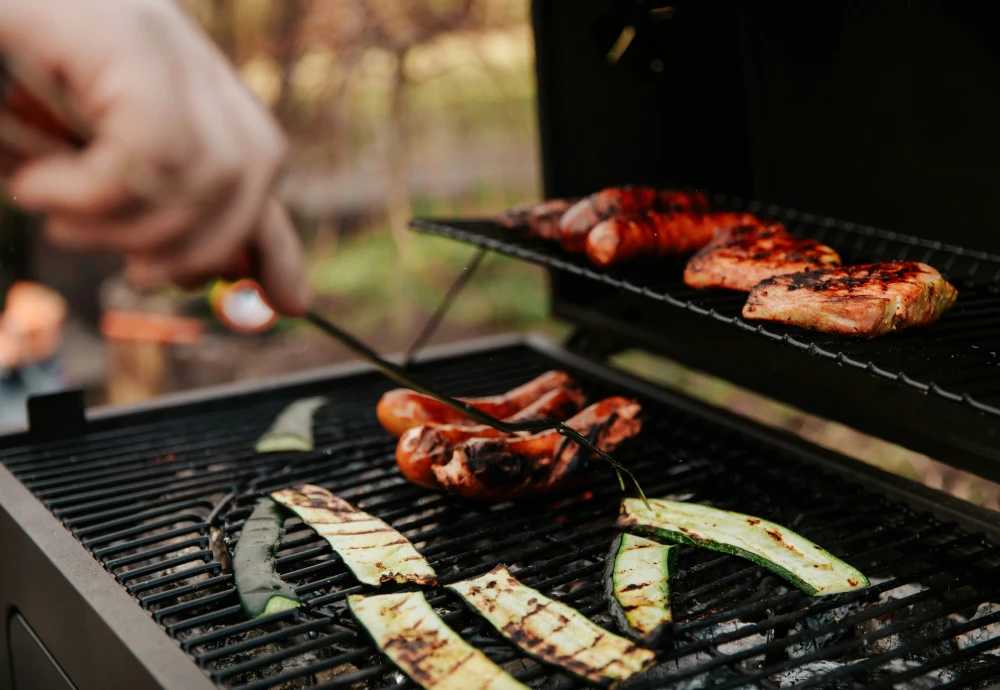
<point x="406" y="629"/>
<point x="261" y="590"/>
<point x="637" y="573"/>
<point x="812" y="569"/>
<point x="292" y="430"/>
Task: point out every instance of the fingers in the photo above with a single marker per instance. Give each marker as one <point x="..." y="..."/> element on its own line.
<point x="282" y="262"/>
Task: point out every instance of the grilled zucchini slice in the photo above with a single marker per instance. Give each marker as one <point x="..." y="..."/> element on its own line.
<point x="637" y="576"/>
<point x="292" y="430"/>
<point x="804" y="564"/>
<point x="373" y="550"/>
<point x="413" y="636"/>
<point x="552" y="632"/>
<point x="261" y="589"/>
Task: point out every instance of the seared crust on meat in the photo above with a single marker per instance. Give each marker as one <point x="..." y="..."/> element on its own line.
<point x="580" y="219"/>
<point x="742" y="257"/>
<point x="655" y="234"/>
<point x="422" y="447"/>
<point x="512" y="468"/>
<point x="864" y="300"/>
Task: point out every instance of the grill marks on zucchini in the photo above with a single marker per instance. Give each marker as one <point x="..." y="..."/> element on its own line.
<point x="261" y="589"/>
<point x="637" y="576"/>
<point x="413" y="636"/>
<point x="804" y="564"/>
<point x="552" y="631"/>
<point x="373" y="550"/>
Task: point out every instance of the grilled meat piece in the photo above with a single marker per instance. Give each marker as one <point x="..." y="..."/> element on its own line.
<point x="580" y="219"/>
<point x="519" y="467"/>
<point x="742" y="257"/>
<point x="655" y="234"/>
<point x="401" y="409"/>
<point x="536" y="220"/>
<point x="423" y="447"/>
<point x="864" y="300"/>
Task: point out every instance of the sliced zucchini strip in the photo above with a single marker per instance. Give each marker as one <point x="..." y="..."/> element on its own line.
<point x="804" y="564"/>
<point x="413" y="636"/>
<point x="373" y="550"/>
<point x="261" y="589"/>
<point x="292" y="430"/>
<point x="637" y="576"/>
<point x="551" y="631"/>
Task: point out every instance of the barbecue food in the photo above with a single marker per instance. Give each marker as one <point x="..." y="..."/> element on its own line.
<point x="403" y="409"/>
<point x="552" y="631"/>
<point x="373" y="550"/>
<point x="261" y="589"/>
<point x="292" y="430"/>
<point x="580" y="219"/>
<point x="864" y="300"/>
<point x="413" y="636"/>
<point x="742" y="257"/>
<point x="423" y="447"/>
<point x="538" y="220"/>
<point x="804" y="564"/>
<point x="655" y="234"/>
<point x="637" y="576"/>
<point x="518" y="467"/>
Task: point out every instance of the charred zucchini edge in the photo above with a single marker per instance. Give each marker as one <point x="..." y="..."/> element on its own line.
<point x="661" y="563"/>
<point x="818" y="573"/>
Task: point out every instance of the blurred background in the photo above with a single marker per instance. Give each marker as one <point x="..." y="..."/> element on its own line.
<point x="394" y="109"/>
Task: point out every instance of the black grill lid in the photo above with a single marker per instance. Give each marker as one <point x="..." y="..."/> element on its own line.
<point x="139" y="496"/>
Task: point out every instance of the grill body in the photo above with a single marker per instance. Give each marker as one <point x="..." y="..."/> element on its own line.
<point x="133" y="493"/>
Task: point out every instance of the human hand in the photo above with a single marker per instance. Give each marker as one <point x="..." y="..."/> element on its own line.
<point x="180" y="172"/>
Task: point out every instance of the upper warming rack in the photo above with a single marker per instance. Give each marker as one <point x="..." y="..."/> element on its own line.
<point x="953" y="362"/>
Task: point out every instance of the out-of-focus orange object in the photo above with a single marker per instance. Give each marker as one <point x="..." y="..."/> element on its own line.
<point x="151" y="328"/>
<point x="32" y="321"/>
<point x="242" y="306"/>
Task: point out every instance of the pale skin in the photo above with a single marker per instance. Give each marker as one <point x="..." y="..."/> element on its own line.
<point x="181" y="169"/>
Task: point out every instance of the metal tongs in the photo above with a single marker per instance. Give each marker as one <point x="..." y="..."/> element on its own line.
<point x="35" y="119"/>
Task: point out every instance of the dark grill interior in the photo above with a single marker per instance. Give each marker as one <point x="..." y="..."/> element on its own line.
<point x="955" y="358"/>
<point x="139" y="497"/>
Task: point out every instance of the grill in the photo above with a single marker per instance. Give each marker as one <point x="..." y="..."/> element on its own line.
<point x="116" y="526"/>
<point x="141" y="497"/>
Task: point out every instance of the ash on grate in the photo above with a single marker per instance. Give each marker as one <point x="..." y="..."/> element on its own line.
<point x="988" y="632"/>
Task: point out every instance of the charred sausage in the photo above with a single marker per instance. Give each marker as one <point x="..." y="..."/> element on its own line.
<point x="401" y="409"/>
<point x="511" y="468"/>
<point x="536" y="220"/>
<point x="655" y="235"/>
<point x="580" y="219"/>
<point x="424" y="446"/>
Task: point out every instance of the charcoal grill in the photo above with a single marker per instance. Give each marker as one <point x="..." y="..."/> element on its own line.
<point x="115" y="524"/>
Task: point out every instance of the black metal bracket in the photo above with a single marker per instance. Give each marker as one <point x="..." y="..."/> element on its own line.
<point x="57" y="415"/>
<point x="593" y="344"/>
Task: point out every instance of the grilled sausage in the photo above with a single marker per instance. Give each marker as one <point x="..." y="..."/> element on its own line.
<point x="401" y="409"/>
<point x="536" y="220"/>
<point x="424" y="446"/>
<point x="580" y="219"/>
<point x="655" y="235"/>
<point x="519" y="467"/>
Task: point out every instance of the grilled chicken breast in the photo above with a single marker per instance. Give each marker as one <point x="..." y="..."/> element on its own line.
<point x="577" y="222"/>
<point x="740" y="258"/>
<point x="655" y="234"/>
<point x="864" y="300"/>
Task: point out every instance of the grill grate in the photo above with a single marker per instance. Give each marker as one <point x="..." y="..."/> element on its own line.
<point x="139" y="497"/>
<point x="955" y="359"/>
